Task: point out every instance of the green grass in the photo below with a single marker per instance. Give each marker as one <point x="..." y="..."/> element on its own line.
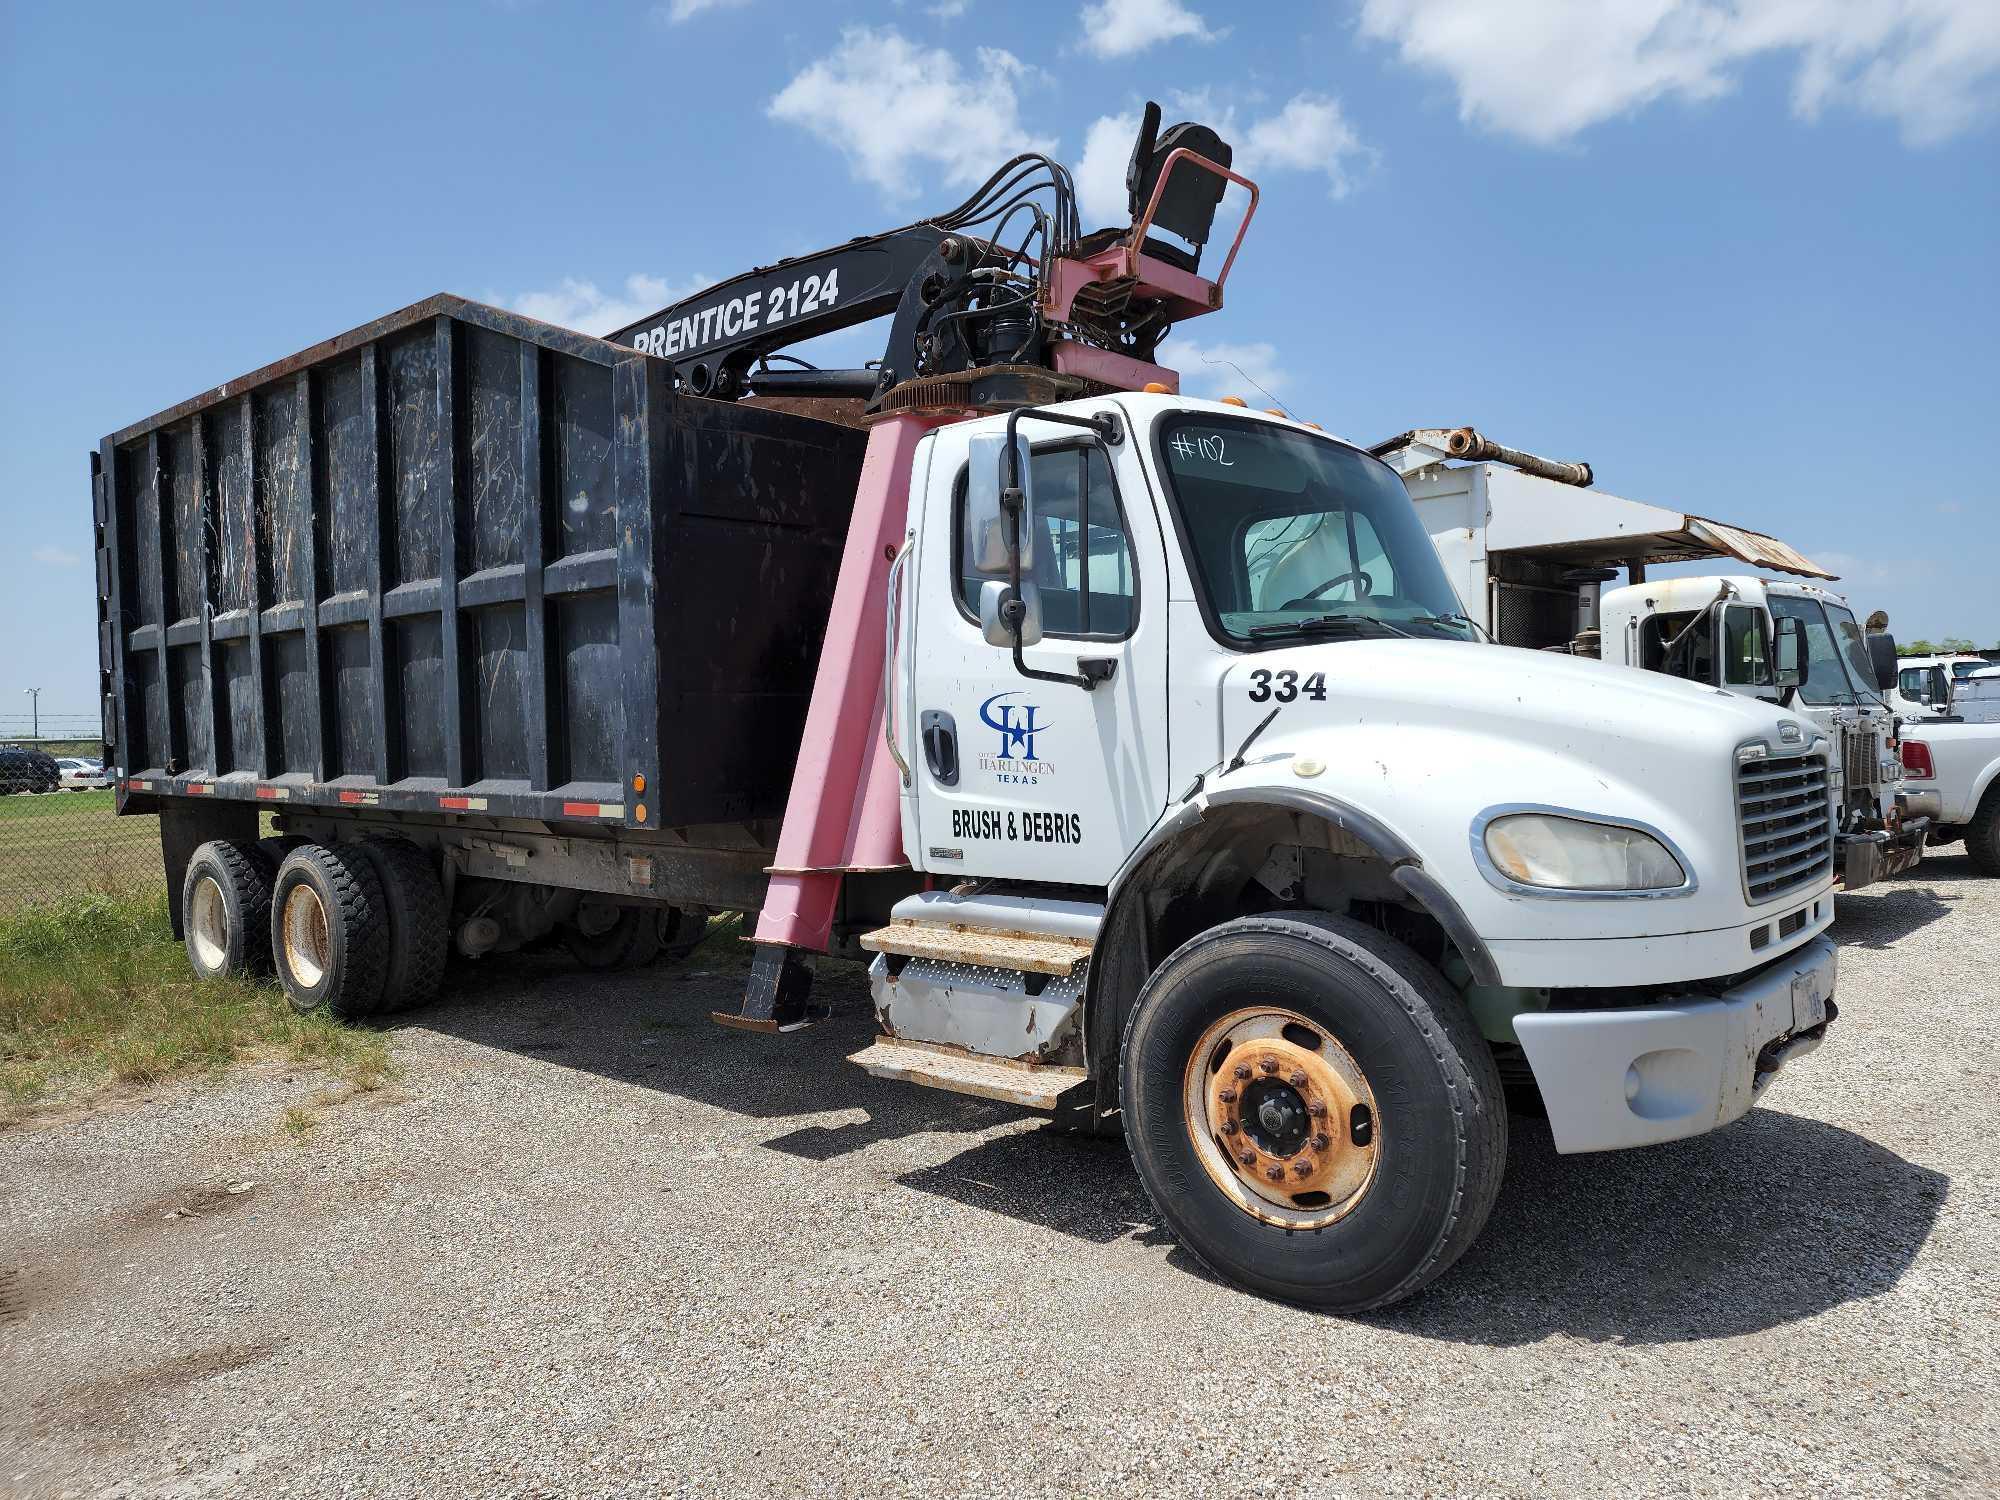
<point x="95" y="992"/>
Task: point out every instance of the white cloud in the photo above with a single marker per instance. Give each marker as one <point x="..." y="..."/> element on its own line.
<point x="673" y="12"/>
<point x="1118" y="28"/>
<point x="1546" y="70"/>
<point x="584" y="306"/>
<point x="1225" y="369"/>
<point x="55" y="557"/>
<point x="1309" y="134"/>
<point x="892" y="105"/>
<point x="948" y="10"/>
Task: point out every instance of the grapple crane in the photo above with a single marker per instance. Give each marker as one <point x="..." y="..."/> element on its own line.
<point x="1001" y="303"/>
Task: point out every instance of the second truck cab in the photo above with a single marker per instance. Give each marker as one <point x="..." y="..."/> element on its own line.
<point x="1731" y="633"/>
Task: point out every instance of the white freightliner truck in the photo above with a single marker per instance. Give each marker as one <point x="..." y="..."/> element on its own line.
<point x="1532" y="546"/>
<point x="1146" y="747"/>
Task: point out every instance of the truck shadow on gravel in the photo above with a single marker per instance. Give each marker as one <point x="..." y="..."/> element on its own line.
<point x="1891" y="910"/>
<point x="1775" y="1219"/>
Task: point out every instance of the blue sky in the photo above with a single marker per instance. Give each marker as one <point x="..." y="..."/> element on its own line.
<point x="1741" y="257"/>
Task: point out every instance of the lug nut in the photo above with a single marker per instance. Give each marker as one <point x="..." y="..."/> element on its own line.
<point x="1302" y="1169"/>
<point x="1274" y="1172"/>
<point x="1298" y="1078"/>
<point x="1227" y="1096"/>
<point x="1316" y="1109"/>
<point x="1242" y="1070"/>
<point x="1320" y="1141"/>
<point x="1248" y="1158"/>
<point x="1269" y="1065"/>
<point x="1229" y="1127"/>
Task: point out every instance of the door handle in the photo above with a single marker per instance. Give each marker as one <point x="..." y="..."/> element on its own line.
<point x="940" y="737"/>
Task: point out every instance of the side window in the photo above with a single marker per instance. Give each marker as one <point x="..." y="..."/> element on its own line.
<point x="1078" y="555"/>
<point x="1746" y="660"/>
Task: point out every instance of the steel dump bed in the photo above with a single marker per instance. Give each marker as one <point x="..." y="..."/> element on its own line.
<point x="462" y="561"/>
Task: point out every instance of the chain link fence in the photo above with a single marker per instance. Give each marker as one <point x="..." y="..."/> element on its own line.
<point x="59" y="836"/>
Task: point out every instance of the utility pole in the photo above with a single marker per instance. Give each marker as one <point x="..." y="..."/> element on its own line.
<point x="35" y="701"/>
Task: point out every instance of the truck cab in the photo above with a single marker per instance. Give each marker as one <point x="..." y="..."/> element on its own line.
<point x="1731" y="632"/>
<point x="1184" y="705"/>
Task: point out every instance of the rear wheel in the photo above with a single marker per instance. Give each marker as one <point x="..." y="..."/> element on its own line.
<point x="1982" y="834"/>
<point x="603" y="936"/>
<point x="417" y="938"/>
<point x="1312" y="1110"/>
<point x="329" y="931"/>
<point x="680" y="932"/>
<point x="226" y="910"/>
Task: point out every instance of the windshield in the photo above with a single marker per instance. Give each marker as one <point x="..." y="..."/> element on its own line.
<point x="1836" y="658"/>
<point x="1292" y="534"/>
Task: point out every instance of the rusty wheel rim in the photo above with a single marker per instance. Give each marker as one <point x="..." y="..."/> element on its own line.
<point x="307" y="947"/>
<point x="208" y="926"/>
<point x="1282" y="1117"/>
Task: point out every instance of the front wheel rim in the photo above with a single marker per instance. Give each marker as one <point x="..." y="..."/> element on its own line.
<point x="208" y="926"/>
<point x="306" y="942"/>
<point x="1282" y="1117"/>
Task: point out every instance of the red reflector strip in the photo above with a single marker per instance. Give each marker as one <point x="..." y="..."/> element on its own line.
<point x="361" y="799"/>
<point x="134" y="784"/>
<point x="200" y="788"/>
<point x="593" y="809"/>
<point x="274" y="793"/>
<point x="463" y="804"/>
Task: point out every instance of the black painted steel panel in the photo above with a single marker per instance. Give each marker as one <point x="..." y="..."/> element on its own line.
<point x="462" y="553"/>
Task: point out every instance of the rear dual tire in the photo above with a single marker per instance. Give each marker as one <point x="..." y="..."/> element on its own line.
<point x="226" y="910"/>
<point x="1312" y="1110"/>
<point x="358" y="929"/>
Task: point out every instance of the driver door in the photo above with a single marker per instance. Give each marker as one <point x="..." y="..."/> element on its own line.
<point x="1014" y="777"/>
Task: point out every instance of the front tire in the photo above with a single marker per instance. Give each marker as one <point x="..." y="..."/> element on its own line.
<point x="1312" y="1111"/>
<point x="226" y="910"/>
<point x="329" y="931"/>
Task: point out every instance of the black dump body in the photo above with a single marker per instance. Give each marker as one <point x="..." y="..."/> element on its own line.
<point x="463" y="561"/>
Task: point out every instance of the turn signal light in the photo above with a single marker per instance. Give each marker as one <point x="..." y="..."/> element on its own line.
<point x="1917" y="761"/>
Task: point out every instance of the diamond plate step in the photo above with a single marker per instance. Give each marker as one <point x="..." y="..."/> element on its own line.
<point x="1024" y="952"/>
<point x="1034" y="1088"/>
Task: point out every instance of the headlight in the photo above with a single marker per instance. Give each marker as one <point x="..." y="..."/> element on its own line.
<point x="1556" y="853"/>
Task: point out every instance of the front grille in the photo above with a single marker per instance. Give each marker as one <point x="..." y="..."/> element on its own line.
<point x="1787" y="822"/>
<point x="1860" y="758"/>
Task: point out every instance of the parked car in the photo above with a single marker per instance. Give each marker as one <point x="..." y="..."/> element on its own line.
<point x="1952" y="770"/>
<point x="78" y="773"/>
<point x="26" y="770"/>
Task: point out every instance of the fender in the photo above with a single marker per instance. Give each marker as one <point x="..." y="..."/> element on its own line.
<point x="1121" y="968"/>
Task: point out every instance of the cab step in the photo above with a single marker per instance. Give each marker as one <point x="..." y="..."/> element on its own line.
<point x="1023" y="952"/>
<point x="959" y="1073"/>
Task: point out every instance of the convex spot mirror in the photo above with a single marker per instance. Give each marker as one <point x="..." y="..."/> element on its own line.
<point x="993" y="597"/>
<point x="986" y="527"/>
<point x="1791" y="652"/>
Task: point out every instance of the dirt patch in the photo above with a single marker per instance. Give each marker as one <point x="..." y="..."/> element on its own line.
<point x="13" y="1295"/>
<point x="99" y="1402"/>
<point x="190" y="1203"/>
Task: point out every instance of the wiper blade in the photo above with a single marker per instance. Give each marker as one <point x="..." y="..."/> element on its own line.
<point x="1478" y="628"/>
<point x="1322" y="625"/>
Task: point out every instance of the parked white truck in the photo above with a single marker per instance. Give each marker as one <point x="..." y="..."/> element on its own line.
<point x="1952" y="770"/>
<point x="1531" y="546"/>
<point x="1146" y="746"/>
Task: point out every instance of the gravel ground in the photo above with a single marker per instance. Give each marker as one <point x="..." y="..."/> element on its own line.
<point x="591" y="1244"/>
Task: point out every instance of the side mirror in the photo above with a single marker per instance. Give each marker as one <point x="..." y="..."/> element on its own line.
<point x="1882" y="656"/>
<point x="986" y="528"/>
<point x="1791" y="652"/>
<point x="993" y="597"/>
